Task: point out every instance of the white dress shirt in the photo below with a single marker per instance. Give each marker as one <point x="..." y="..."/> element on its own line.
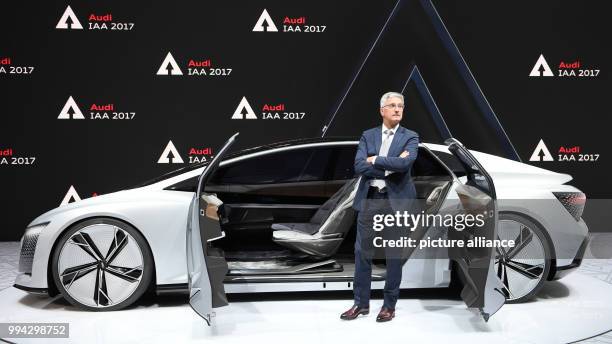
<point x="380" y="183"/>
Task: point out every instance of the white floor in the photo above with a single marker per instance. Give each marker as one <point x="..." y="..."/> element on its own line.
<point x="575" y="308"/>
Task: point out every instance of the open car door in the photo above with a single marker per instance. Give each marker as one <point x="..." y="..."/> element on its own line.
<point x="482" y="288"/>
<point x="206" y="266"/>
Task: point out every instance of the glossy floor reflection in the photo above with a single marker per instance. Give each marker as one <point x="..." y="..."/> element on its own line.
<point x="577" y="308"/>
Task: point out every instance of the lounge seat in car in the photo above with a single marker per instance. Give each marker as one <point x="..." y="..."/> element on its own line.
<point x="322" y="235"/>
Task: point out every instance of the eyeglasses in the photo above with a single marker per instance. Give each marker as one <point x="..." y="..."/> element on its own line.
<point x="393" y="105"/>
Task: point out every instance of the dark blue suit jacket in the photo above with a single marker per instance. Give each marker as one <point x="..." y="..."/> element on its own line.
<point x="400" y="188"/>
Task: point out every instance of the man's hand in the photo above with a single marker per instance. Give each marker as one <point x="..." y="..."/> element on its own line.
<point x="404" y="154"/>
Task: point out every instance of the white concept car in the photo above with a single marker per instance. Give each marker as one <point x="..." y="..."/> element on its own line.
<point x="278" y="218"/>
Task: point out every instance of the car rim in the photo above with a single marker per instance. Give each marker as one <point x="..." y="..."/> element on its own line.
<point x="100" y="265"/>
<point x="520" y="268"/>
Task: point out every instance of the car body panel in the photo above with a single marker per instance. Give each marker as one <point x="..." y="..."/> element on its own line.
<point x="161" y="216"/>
<point x="158" y="214"/>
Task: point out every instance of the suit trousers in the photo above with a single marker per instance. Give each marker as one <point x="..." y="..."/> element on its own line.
<point x="376" y="203"/>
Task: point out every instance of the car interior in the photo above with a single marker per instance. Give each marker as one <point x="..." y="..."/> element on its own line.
<point x="287" y="213"/>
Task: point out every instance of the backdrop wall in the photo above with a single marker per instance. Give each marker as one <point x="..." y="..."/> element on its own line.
<point x="102" y="96"/>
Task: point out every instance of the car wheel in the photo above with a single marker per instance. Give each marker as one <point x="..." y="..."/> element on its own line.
<point x="102" y="265"/>
<point x="522" y="269"/>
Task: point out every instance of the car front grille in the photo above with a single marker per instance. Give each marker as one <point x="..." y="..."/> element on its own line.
<point x="26" y="257"/>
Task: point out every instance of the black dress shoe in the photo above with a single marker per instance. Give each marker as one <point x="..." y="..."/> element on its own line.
<point x="354" y="312"/>
<point x="386" y="314"/>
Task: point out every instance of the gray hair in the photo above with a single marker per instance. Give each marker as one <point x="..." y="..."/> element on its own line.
<point x="388" y="95"/>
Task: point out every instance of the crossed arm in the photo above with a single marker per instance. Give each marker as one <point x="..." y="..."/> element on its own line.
<point x="401" y="163"/>
<point x="362" y="166"/>
<point x="375" y="167"/>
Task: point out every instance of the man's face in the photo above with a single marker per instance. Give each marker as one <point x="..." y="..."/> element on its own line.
<point x="392" y="111"/>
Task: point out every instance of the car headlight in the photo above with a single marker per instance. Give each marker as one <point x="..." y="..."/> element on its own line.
<point x="28" y="247"/>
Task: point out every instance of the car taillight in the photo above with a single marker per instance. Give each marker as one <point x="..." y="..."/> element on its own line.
<point x="573" y="202"/>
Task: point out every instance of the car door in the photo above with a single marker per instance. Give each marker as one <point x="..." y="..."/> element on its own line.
<point x="206" y="266"/>
<point x="482" y="288"/>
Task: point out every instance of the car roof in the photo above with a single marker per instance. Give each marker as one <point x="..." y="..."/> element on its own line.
<point x="303" y="141"/>
<point x="294" y="142"/>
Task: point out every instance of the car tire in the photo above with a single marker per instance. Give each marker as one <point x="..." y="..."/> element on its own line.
<point x="523" y="274"/>
<point x="102" y="265"/>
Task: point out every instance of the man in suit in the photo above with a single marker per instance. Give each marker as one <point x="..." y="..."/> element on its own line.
<point x="384" y="160"/>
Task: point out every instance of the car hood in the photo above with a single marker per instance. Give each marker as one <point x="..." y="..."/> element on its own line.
<point x="114" y="198"/>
